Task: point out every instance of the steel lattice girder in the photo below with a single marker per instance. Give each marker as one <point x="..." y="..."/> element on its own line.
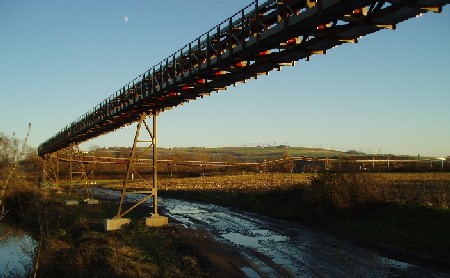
<point x="254" y="41"/>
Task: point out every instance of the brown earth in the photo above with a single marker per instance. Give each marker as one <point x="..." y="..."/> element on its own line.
<point x="217" y="259"/>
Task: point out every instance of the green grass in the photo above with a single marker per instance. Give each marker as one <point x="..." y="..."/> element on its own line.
<point x="74" y="243"/>
<point x="247" y="154"/>
<point x="420" y="228"/>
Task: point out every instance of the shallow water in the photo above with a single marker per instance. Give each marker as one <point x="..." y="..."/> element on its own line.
<point x="16" y="251"/>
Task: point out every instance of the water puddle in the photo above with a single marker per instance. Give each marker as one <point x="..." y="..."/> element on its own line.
<point x="247" y="241"/>
<point x="187" y="210"/>
<point x="256" y="239"/>
<point x="394" y="263"/>
<point x="250" y="273"/>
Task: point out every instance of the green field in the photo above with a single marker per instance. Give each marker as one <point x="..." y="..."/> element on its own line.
<point x="243" y="154"/>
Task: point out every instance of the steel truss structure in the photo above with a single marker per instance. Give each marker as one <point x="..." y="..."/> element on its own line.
<point x="252" y="42"/>
<point x="133" y="170"/>
<point x="78" y="174"/>
<point x="77" y="171"/>
<point x="50" y="169"/>
<point x="76" y="160"/>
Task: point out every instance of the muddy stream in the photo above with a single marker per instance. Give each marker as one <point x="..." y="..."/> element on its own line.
<point x="277" y="248"/>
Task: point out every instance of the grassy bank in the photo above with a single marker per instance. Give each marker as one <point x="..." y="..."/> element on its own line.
<point x="422" y="229"/>
<point x="405" y="210"/>
<point x="72" y="241"/>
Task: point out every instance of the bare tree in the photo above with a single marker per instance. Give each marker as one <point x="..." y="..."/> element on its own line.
<point x="12" y="153"/>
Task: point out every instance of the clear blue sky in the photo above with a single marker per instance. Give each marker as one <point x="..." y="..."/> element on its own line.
<point x="390" y="93"/>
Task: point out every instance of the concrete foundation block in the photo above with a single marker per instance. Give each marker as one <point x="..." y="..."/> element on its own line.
<point x="91" y="201"/>
<point x="72" y="203"/>
<point x="115" y="223"/>
<point x="156" y="221"/>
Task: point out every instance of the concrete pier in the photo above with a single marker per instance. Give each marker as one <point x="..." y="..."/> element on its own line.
<point x="156" y="221"/>
<point x="115" y="223"/>
<point x="91" y="201"/>
<point x="72" y="203"/>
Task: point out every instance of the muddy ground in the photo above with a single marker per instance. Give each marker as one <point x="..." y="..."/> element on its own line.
<point x="216" y="258"/>
<point x="233" y="243"/>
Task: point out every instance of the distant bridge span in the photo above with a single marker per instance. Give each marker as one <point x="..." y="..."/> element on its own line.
<point x="91" y="159"/>
<point x="252" y="42"/>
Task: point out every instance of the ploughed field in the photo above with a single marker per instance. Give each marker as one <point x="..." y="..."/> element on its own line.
<point x="344" y="190"/>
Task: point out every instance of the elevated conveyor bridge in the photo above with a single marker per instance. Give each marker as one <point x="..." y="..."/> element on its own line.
<point x="254" y="41"/>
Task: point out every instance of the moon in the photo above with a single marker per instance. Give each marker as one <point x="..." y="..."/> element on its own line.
<point x="125" y="19"/>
